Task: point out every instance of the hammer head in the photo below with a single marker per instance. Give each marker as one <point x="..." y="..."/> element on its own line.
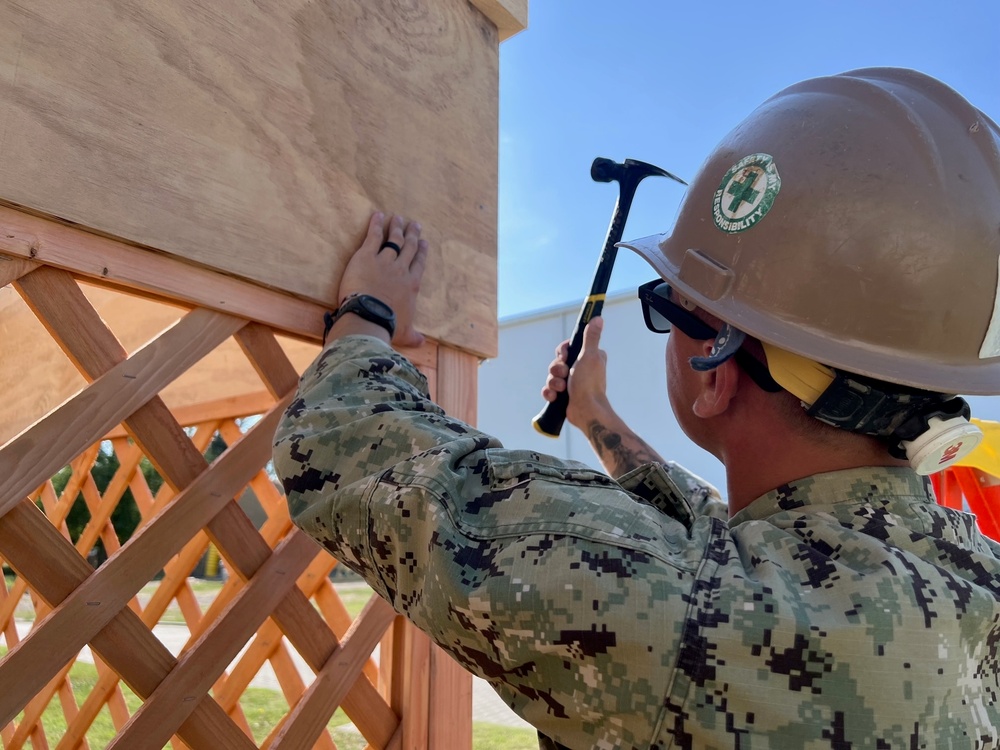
<point x="631" y="170"/>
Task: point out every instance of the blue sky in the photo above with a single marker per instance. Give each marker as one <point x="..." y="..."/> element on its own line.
<point x="664" y="82"/>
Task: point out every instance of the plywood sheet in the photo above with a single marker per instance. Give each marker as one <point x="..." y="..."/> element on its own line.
<point x="255" y="138"/>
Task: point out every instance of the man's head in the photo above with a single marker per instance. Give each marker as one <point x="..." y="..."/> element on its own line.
<point x="852" y="221"/>
<point x="713" y="383"/>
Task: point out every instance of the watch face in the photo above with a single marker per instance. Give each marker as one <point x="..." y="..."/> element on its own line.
<point x="376" y="306"/>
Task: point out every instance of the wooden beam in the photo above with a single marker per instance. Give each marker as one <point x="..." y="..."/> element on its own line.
<point x="126" y="643"/>
<point x="309" y="717"/>
<point x="188" y="683"/>
<point x="48" y="445"/>
<point x="414" y="685"/>
<point x="268" y="359"/>
<point x="40" y="240"/>
<point x="11" y="269"/>
<point x="61" y="306"/>
<point x="233" y="407"/>
<point x="458" y="383"/>
<point x="450" y="685"/>
<point x="85" y="611"/>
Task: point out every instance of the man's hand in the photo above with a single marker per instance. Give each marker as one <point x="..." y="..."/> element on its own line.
<point x="619" y="448"/>
<point x="392" y="277"/>
<point x="586" y="381"/>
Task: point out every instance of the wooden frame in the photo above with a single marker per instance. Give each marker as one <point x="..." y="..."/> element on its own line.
<point x="183" y="184"/>
<point x="279" y="594"/>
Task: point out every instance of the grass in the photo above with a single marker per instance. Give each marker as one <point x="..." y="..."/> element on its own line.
<point x="263" y="708"/>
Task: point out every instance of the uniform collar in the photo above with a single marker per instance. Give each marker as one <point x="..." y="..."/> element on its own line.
<point x="840" y="488"/>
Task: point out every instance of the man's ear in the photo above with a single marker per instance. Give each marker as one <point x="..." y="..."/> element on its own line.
<point x="718" y="388"/>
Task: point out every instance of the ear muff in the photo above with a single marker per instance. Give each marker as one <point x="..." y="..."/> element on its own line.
<point x="800" y="376"/>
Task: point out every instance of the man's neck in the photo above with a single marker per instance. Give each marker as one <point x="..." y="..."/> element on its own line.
<point x="752" y="473"/>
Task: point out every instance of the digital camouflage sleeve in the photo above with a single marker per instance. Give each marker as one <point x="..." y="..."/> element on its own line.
<point x="844" y="610"/>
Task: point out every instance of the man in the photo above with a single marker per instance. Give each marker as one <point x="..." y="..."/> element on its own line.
<point x="831" y="279"/>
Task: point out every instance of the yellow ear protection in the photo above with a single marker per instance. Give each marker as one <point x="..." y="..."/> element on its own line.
<point x="804" y="378"/>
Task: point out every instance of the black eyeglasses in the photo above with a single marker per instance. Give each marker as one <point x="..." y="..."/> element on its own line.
<point x="660" y="314"/>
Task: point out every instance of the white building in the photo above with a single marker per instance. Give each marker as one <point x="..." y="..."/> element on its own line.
<point x="510" y="386"/>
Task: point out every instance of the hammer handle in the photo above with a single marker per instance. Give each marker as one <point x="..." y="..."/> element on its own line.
<point x="551" y="418"/>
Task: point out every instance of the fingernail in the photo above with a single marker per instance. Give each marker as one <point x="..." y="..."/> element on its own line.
<point x="416" y="226"/>
<point x="379" y="216"/>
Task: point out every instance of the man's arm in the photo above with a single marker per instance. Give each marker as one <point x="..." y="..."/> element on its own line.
<point x="618" y="447"/>
<point x="534" y="572"/>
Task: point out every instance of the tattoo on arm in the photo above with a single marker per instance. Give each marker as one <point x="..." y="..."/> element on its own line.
<point x="619" y="452"/>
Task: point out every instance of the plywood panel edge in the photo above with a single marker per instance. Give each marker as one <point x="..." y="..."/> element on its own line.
<point x="126" y="267"/>
<point x="509" y="16"/>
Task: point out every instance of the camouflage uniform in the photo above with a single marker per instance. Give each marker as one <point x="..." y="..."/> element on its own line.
<point x="844" y="610"/>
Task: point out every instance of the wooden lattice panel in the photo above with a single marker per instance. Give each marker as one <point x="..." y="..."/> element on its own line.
<point x="278" y="595"/>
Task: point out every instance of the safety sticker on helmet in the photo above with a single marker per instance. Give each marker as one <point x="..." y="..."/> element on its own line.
<point x="746" y="193"/>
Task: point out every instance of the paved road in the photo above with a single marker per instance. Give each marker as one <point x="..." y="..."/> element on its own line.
<point x="486" y="705"/>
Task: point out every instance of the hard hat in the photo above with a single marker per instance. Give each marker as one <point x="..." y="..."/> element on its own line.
<point x="853" y="220"/>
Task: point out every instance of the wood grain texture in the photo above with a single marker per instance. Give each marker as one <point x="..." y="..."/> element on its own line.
<point x="38" y="375"/>
<point x="255" y="139"/>
<point x="12" y="269"/>
<point x="414" y="685"/>
<point x="35" y="238"/>
<point x="309" y="717"/>
<point x="126" y="643"/>
<point x="268" y="359"/>
<point x="95" y="602"/>
<point x="450" y="685"/>
<point x="450" y="722"/>
<point x="458" y="384"/>
<point x="39" y="452"/>
<point x="197" y="668"/>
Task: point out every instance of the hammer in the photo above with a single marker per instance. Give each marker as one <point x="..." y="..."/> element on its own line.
<point x="628" y="175"/>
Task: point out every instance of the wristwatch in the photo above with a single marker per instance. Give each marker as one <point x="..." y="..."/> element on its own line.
<point x="364" y="306"/>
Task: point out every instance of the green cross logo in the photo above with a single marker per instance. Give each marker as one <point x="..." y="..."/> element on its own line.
<point x="743" y="192"/>
<point x="746" y="193"/>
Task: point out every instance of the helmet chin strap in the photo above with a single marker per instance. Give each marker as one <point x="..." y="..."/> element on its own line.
<point x="930" y="430"/>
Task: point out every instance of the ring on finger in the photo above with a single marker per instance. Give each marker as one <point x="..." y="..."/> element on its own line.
<point x="393" y="245"/>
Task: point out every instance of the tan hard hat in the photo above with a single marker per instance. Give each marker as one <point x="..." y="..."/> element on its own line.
<point x="853" y="220"/>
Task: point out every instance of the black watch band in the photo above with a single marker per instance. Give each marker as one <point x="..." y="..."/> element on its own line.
<point x="366" y="307"/>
